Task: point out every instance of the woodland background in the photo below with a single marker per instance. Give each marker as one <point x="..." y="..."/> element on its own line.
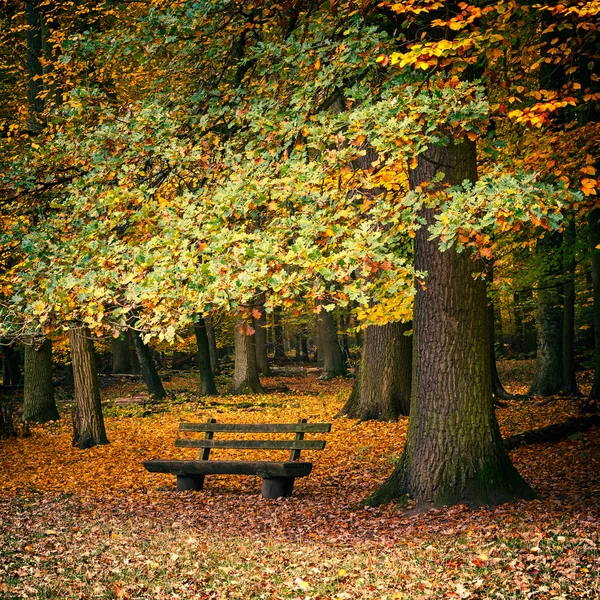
<point x="380" y="214"/>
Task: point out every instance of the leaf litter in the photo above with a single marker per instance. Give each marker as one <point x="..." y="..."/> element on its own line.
<point x="95" y="524"/>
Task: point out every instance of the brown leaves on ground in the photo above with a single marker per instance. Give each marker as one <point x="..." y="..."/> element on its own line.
<point x="86" y="524"/>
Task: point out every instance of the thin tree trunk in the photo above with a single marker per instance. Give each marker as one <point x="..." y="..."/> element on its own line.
<point x="454" y="452"/>
<point x="38" y="395"/>
<point x="344" y="344"/>
<point x="278" y="334"/>
<point x="548" y="377"/>
<point x="497" y="388"/>
<point x="121" y="354"/>
<point x="568" y="333"/>
<point x="36" y="34"/>
<point x="10" y="365"/>
<point x="330" y="352"/>
<point x="303" y="344"/>
<point x="207" y="385"/>
<point x="595" y="227"/>
<point x="383" y="378"/>
<point x="260" y="337"/>
<point x="155" y="387"/>
<point x="212" y="346"/>
<point x="88" y="422"/>
<point x="245" y="376"/>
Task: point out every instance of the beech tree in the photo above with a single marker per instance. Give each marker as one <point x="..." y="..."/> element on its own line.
<point x="39" y="404"/>
<point x="88" y="421"/>
<point x="222" y="171"/>
<point x="382" y="385"/>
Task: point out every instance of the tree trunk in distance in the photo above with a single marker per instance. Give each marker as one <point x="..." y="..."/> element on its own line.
<point x="38" y="395"/>
<point x="344" y="343"/>
<point x="278" y="334"/>
<point x="454" y="452"/>
<point x="381" y="389"/>
<point x="497" y="388"/>
<point x="121" y="354"/>
<point x="568" y="333"/>
<point x="155" y="387"/>
<point x="10" y="366"/>
<point x="212" y="346"/>
<point x="260" y="338"/>
<point x="207" y="385"/>
<point x="330" y="352"/>
<point x="548" y="377"/>
<point x="37" y="34"/>
<point x="245" y="375"/>
<point x="303" y="344"/>
<point x="88" y="422"/>
<point x="595" y="227"/>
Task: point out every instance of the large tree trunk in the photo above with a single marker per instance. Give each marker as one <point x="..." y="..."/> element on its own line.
<point x="245" y="376"/>
<point x="383" y="378"/>
<point x="548" y="377"/>
<point x="155" y="387"/>
<point x="330" y="352"/>
<point x="260" y="337"/>
<point x="568" y="333"/>
<point x="454" y="452"/>
<point x="38" y="395"/>
<point x="121" y="354"/>
<point x="595" y="226"/>
<point x="207" y="385"/>
<point x="88" y="422"/>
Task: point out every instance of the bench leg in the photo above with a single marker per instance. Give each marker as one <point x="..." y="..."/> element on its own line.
<point x="277" y="487"/>
<point x="189" y="482"/>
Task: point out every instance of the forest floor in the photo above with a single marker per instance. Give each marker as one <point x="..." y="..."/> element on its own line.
<point x="95" y="524"/>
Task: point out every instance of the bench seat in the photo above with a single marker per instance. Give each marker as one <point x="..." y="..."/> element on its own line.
<point x="261" y="468"/>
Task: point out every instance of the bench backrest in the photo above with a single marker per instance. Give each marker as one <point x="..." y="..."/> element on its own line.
<point x="295" y="446"/>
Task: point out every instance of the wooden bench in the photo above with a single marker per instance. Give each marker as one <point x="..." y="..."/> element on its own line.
<point x="277" y="476"/>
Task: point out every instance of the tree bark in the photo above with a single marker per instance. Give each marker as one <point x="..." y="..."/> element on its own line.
<point x="260" y="338"/>
<point x="454" y="452"/>
<point x="38" y="395"/>
<point x="245" y="376"/>
<point x="595" y="227"/>
<point x="10" y="365"/>
<point x="207" y="385"/>
<point x="383" y="378"/>
<point x="155" y="387"/>
<point x="330" y="352"/>
<point x="212" y="346"/>
<point x="121" y="354"/>
<point x="568" y="333"/>
<point x="278" y="340"/>
<point x="88" y="422"/>
<point x="497" y="388"/>
<point x="37" y="34"/>
<point x="548" y="377"/>
<point x="303" y="343"/>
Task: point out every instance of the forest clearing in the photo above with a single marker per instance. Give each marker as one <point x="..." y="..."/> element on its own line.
<point x="299" y="299"/>
<point x="104" y="527"/>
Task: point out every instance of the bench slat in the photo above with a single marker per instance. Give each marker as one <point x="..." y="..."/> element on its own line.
<point x="229" y="467"/>
<point x="253" y="444"/>
<point x="257" y="427"/>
